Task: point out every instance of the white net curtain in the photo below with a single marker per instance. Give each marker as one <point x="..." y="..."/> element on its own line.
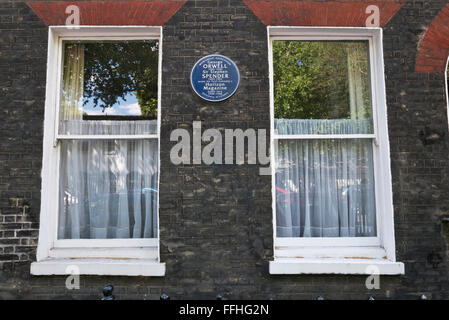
<point x="325" y="188"/>
<point x="108" y="189"/>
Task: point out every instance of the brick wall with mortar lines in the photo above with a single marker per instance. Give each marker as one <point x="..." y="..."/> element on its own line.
<point x="216" y="221"/>
<point x="22" y="82"/>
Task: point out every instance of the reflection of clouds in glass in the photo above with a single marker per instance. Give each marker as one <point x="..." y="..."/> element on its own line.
<point x="132" y="109"/>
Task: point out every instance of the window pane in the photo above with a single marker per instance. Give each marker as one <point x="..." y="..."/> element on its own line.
<point x="106" y="86"/>
<point x="322" y="87"/>
<point x="108" y="189"/>
<point x="325" y="188"/>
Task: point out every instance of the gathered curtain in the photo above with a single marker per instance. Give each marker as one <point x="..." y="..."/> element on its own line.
<point x="358" y="80"/>
<point x="72" y="82"/>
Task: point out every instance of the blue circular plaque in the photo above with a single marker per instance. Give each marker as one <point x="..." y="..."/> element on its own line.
<point x="215" y="78"/>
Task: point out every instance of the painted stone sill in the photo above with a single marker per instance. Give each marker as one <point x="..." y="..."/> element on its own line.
<point x="336" y="266"/>
<point x="101" y="267"/>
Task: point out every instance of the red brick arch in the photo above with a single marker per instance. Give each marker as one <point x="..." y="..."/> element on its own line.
<point x="433" y="49"/>
<point x="347" y="13"/>
<point x="154" y="13"/>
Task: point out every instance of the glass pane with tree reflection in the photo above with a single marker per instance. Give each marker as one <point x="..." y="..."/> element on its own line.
<point x="322" y="87"/>
<point x="106" y="86"/>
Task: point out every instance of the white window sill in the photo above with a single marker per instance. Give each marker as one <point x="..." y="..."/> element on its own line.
<point x="336" y="266"/>
<point x="101" y="267"/>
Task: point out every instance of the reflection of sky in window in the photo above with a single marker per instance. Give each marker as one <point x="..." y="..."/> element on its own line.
<point x="127" y="107"/>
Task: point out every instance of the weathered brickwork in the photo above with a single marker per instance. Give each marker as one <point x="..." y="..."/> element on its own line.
<point x="321" y="13"/>
<point x="216" y="221"/>
<point x="22" y="82"/>
<point x="119" y="13"/>
<point x="434" y="46"/>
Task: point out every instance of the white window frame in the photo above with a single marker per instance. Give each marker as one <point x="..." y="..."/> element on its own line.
<point x="341" y="255"/>
<point x="446" y="87"/>
<point x="132" y="257"/>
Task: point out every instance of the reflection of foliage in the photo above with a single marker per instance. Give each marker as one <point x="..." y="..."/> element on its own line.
<point x="317" y="87"/>
<point x="112" y="70"/>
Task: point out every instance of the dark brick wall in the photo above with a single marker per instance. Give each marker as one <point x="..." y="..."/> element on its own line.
<point x="216" y="221"/>
<point x="23" y="51"/>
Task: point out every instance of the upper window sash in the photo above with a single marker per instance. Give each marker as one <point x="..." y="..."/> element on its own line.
<point x="58" y="34"/>
<point x="330" y="34"/>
